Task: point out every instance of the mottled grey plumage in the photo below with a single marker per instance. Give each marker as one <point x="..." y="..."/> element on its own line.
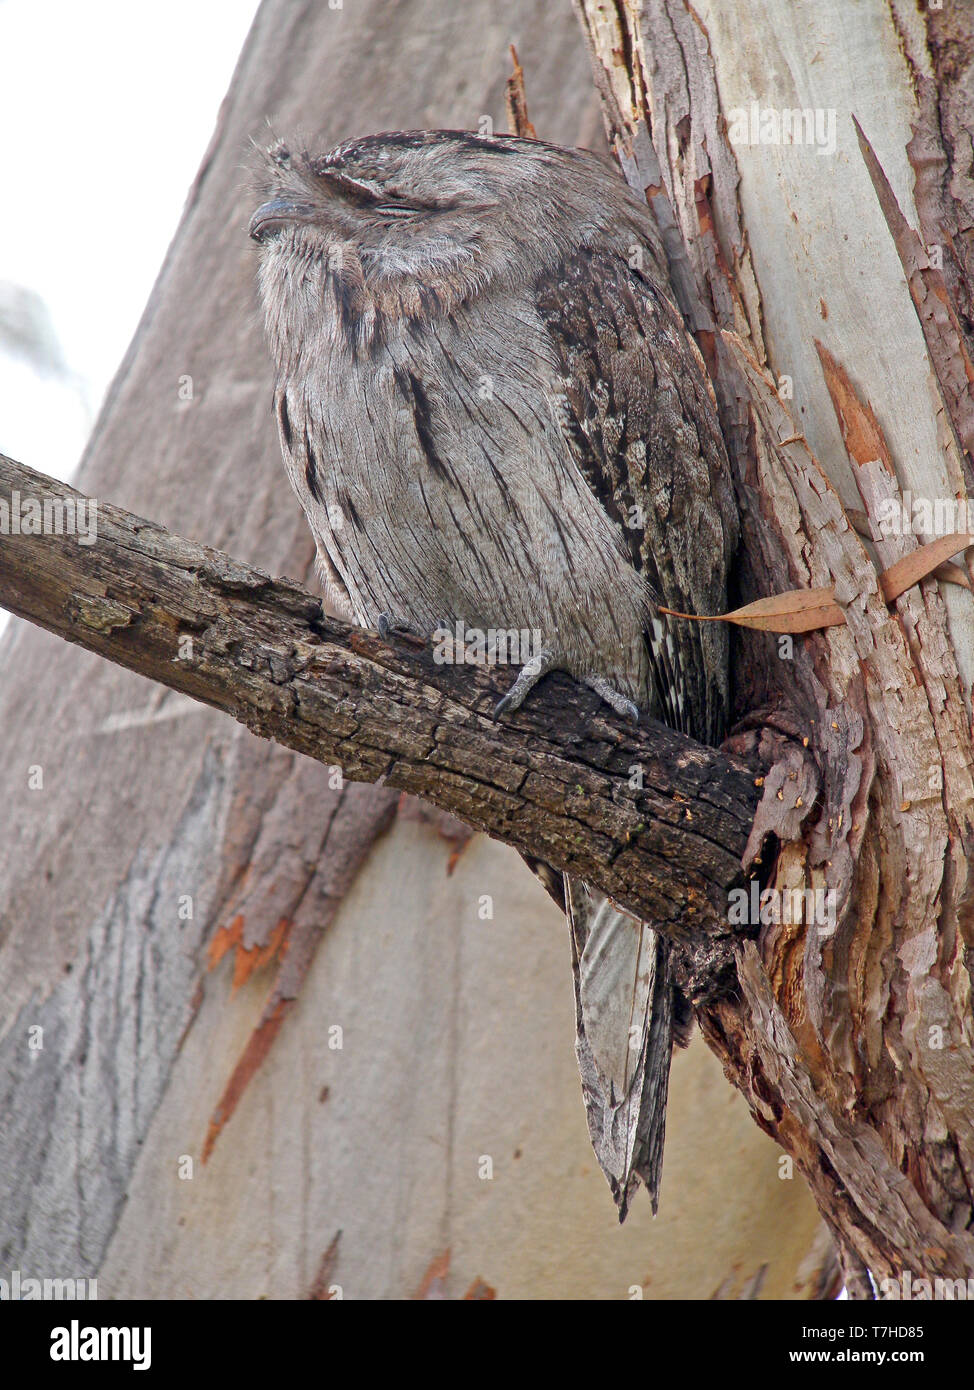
<point x="493" y="415"/>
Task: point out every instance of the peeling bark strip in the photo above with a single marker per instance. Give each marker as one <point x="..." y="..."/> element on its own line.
<point x="518" y="120"/>
<point x="855" y="1048"/>
<point x="656" y="820"/>
<point x="938" y="317"/>
<point x="940" y="150"/>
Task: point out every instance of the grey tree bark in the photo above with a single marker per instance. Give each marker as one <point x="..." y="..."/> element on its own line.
<point x="395" y="1060"/>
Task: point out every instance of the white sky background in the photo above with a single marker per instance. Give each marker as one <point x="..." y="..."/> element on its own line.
<point x="106" y="109"/>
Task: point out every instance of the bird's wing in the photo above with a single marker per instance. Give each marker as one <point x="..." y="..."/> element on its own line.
<point x="640" y="424"/>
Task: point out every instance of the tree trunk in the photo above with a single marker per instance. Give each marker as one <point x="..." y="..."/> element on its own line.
<point x="845" y="391"/>
<point x="395" y="1061"/>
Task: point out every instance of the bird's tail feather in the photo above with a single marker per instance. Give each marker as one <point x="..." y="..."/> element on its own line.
<point x="624" y="1038"/>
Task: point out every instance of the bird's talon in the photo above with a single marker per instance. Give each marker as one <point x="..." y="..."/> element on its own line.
<point x="622" y="705"/>
<point x="528" y="677"/>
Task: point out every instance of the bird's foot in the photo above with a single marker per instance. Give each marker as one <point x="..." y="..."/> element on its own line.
<point x="619" y="702"/>
<point x="528" y="677"/>
<point x="387" y="629"/>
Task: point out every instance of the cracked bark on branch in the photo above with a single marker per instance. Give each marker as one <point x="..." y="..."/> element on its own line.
<point x="658" y="821"/>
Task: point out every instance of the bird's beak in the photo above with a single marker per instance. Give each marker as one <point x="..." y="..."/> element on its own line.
<point x="278" y="213"/>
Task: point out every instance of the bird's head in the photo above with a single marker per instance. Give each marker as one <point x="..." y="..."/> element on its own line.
<point x="416" y="219"/>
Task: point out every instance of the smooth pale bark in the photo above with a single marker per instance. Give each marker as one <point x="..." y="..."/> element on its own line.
<point x="145" y="835"/>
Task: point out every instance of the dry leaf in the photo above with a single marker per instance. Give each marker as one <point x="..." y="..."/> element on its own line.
<point x="919" y="563"/>
<point x="805" y="610"/>
<point x="797" y="610"/>
<point x="952" y="574"/>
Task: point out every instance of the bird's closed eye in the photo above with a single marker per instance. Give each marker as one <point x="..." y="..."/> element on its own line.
<point x="394" y="209"/>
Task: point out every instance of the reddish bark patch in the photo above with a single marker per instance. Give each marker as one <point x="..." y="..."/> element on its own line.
<point x="433" y="1285"/>
<point x="247" y="959"/>
<point x="480" y="1290"/>
<point x="260" y="1043"/>
<point x="321" y="1289"/>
